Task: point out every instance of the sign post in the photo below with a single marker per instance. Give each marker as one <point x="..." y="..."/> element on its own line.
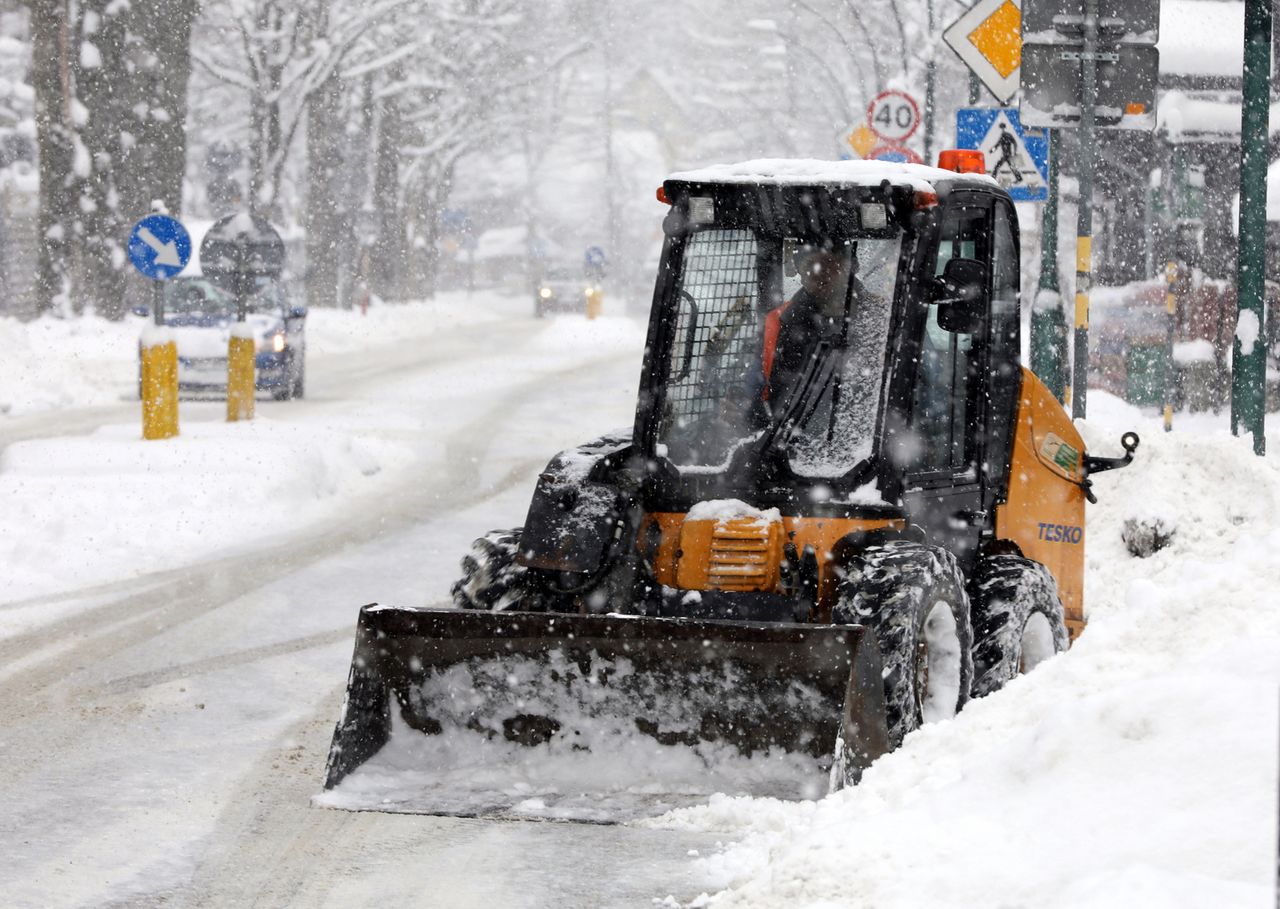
<point x="237" y="251"/>
<point x="1048" y="325"/>
<point x="1248" y="352"/>
<point x="1088" y="64"/>
<point x="159" y="247"/>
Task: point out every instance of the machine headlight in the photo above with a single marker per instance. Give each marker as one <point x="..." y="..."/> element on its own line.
<point x="545" y="293"/>
<point x="277" y="343"/>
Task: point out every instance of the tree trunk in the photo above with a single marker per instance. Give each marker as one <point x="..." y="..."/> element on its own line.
<point x="154" y="167"/>
<point x="111" y="100"/>
<point x="100" y="254"/>
<point x="327" y="216"/>
<point x="388" y="248"/>
<point x="50" y="77"/>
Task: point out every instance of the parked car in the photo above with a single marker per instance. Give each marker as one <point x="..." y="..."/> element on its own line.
<point x="200" y="314"/>
<point x="562" y="290"/>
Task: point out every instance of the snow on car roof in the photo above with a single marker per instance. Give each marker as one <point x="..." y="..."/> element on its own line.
<point x="815" y="172"/>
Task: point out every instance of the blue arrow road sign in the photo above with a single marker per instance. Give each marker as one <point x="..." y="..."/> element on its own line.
<point x="1017" y="156"/>
<point x="159" y="247"/>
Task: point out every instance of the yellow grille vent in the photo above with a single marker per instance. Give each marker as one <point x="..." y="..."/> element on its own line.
<point x="734" y="554"/>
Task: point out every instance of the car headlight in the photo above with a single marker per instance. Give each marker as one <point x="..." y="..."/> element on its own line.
<point x="545" y="293"/>
<point x="277" y="343"/>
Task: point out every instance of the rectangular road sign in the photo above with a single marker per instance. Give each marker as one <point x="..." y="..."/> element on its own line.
<point x="1127" y="74"/>
<point x="1119" y="21"/>
<point x="1017" y="157"/>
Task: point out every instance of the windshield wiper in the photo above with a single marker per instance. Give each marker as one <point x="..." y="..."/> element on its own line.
<point x="817" y="375"/>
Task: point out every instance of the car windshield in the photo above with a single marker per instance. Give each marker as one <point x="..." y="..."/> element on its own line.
<point x="196" y="297"/>
<point x="773" y="329"/>
<point x="201" y="297"/>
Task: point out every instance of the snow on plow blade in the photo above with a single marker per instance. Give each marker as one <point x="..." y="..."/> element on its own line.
<point x="451" y="712"/>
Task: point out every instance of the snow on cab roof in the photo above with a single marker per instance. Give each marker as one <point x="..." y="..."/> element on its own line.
<point x="815" y="172"/>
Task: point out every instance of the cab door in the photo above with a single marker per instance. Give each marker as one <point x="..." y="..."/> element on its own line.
<point x="947" y="414"/>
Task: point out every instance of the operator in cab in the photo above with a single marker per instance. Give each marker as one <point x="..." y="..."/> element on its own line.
<point x="821" y="309"/>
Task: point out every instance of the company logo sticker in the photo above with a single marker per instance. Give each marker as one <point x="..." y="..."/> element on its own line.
<point x="1061" y="533"/>
<point x="1060" y="453"/>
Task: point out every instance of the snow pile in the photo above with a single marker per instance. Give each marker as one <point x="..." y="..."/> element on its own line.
<point x="347" y="330"/>
<point x="52" y="363"/>
<point x="1139" y="769"/>
<point x="722" y="511"/>
<point x="595" y="764"/>
<point x="812" y="172"/>
<point x="1202" y="38"/>
<point x="90" y="361"/>
<point x="104" y="502"/>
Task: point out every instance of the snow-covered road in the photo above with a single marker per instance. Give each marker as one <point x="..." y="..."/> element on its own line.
<point x="177" y="621"/>
<point x="167" y="704"/>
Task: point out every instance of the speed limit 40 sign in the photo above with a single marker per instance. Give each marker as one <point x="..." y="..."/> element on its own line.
<point x="893" y="116"/>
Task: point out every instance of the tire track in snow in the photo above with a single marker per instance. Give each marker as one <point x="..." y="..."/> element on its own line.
<point x="321" y="858"/>
<point x="71" y="660"/>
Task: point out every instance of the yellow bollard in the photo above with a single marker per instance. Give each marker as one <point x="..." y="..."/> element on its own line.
<point x="160" y="387"/>
<point x="240" y="356"/>
<point x="595" y="302"/>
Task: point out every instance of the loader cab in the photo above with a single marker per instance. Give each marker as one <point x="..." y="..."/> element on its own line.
<point x="900" y="406"/>
<point x="956" y="378"/>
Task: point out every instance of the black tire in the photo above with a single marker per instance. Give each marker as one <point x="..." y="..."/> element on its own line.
<point x="492" y="579"/>
<point x="299" y="389"/>
<point x="1017" y="619"/>
<point x="913" y="596"/>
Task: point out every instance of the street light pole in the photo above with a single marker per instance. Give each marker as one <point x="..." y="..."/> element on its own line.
<point x="1248" y="353"/>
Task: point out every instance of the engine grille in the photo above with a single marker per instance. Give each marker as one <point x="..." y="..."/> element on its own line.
<point x="741" y="555"/>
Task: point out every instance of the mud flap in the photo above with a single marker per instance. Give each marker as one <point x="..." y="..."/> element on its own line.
<point x="560" y="679"/>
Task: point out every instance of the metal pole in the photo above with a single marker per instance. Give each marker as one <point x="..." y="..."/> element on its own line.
<point x="929" y="92"/>
<point x="1171" y="316"/>
<point x="930" y="75"/>
<point x="1248" y="372"/>
<point x="975" y="90"/>
<point x="1048" y="324"/>
<point x="612" y="229"/>
<point x="1084" y="221"/>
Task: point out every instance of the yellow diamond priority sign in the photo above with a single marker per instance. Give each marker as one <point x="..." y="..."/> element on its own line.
<point x="988" y="38"/>
<point x="862" y="140"/>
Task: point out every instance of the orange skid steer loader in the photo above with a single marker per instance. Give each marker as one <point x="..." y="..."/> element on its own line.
<point x="843" y="511"/>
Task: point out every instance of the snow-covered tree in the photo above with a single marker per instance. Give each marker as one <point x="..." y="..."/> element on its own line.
<point x="110" y="101"/>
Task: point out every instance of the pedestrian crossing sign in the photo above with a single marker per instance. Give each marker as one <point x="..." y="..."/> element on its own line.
<point x="1017" y="157"/>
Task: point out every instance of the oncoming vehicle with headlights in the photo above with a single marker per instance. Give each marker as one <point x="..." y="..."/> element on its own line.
<point x="200" y="313"/>
<point x="561" y="289"/>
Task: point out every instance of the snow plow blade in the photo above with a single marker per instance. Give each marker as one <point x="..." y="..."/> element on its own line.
<point x="567" y="681"/>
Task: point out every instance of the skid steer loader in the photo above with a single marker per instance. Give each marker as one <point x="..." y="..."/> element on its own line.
<point x="843" y="510"/>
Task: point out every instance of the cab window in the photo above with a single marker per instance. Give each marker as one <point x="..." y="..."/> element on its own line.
<point x="945" y="410"/>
